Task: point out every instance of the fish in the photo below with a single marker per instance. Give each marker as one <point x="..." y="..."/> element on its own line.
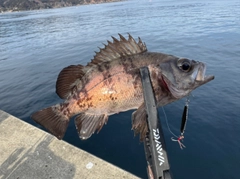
<point x="111" y="83"/>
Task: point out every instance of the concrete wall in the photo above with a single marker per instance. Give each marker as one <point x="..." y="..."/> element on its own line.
<point x="27" y="152"/>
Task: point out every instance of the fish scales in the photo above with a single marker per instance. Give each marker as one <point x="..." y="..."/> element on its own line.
<point x="111" y="83"/>
<point x="119" y="92"/>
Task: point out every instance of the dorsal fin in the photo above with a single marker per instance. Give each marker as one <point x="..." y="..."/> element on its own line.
<point x="68" y="79"/>
<point x="118" y="48"/>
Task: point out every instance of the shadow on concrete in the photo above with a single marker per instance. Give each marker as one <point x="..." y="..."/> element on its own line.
<point x="39" y="161"/>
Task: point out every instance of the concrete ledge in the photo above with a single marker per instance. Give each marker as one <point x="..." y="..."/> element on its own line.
<point x="27" y="152"/>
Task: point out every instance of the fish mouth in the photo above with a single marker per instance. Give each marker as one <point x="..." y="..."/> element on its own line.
<point x="201" y="78"/>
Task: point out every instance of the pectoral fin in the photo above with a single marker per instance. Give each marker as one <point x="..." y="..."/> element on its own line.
<point x="87" y="124"/>
<point x="69" y="79"/>
<point x="139" y="122"/>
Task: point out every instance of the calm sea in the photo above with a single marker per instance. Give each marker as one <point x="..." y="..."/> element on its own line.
<point x="36" y="45"/>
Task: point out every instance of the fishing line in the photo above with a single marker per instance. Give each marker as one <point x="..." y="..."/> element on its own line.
<point x="167" y="122"/>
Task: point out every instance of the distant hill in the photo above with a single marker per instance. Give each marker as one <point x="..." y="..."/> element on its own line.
<point x="21" y="5"/>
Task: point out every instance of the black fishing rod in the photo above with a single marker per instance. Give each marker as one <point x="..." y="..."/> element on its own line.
<point x="154" y="143"/>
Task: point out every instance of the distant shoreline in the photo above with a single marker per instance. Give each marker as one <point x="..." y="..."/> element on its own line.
<point x="40" y="5"/>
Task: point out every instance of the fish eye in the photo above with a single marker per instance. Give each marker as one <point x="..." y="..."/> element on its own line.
<point x="184" y="65"/>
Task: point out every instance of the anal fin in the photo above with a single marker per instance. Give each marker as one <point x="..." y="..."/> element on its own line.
<point x="139" y="122"/>
<point x="87" y="124"/>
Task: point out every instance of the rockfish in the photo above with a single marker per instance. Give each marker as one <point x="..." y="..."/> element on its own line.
<point x="111" y="83"/>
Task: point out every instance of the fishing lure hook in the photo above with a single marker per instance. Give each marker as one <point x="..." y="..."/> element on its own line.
<point x="183" y="124"/>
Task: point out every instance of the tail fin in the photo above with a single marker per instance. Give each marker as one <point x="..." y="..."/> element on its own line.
<point x="53" y="120"/>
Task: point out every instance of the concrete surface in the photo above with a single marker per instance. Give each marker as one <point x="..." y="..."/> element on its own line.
<point x="27" y="152"/>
